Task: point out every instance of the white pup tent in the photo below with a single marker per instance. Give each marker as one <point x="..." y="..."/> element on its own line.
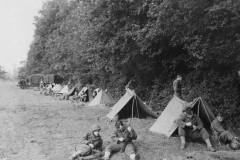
<point x="166" y="125"/>
<point x="103" y="97"/>
<point x="49" y="87"/>
<point x="57" y="88"/>
<point x="65" y="90"/>
<point x="130" y="105"/>
<point x="68" y="89"/>
<point x="88" y="92"/>
<point x="72" y="90"/>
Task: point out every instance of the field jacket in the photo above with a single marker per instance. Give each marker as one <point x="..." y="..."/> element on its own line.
<point x="124" y="133"/>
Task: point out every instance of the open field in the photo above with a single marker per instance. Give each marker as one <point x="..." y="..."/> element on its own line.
<point x="37" y="127"/>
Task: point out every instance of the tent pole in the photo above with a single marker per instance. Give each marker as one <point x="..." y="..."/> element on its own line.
<point x="198" y="108"/>
<point x="206" y="113"/>
<point x="132" y="112"/>
<point x="137" y="107"/>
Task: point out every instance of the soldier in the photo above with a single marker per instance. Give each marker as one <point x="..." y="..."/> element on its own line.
<point x="41" y="84"/>
<point x="177" y="86"/>
<point x="223" y="130"/>
<point x="191" y="125"/>
<point x="122" y="137"/>
<point x="75" y="97"/>
<point x="92" y="144"/>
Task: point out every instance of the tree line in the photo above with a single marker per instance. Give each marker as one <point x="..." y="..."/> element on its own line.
<point x="110" y="42"/>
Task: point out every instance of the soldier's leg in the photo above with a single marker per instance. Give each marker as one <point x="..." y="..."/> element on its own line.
<point x="111" y="148"/>
<point x="226" y="136"/>
<point x="182" y="134"/>
<point x="96" y="152"/>
<point x="131" y="151"/>
<point x="205" y="136"/>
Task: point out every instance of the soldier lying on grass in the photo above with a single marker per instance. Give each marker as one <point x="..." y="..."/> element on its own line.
<point x="91" y="146"/>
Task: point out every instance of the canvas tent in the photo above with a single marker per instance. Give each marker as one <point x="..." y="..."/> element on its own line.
<point x="88" y="92"/>
<point x="49" y="87"/>
<point x="71" y="91"/>
<point x="57" y="88"/>
<point x="166" y="125"/>
<point x="103" y="97"/>
<point x="68" y="89"/>
<point x="78" y="86"/>
<point x="65" y="90"/>
<point x="130" y="105"/>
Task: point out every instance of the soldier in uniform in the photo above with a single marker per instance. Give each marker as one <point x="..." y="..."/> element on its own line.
<point x="177" y="87"/>
<point x="122" y="137"/>
<point x="91" y="145"/>
<point x="190" y="125"/>
<point x="223" y="130"/>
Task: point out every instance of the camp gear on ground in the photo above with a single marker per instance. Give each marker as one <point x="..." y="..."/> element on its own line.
<point x="234" y="145"/>
<point x="130" y="105"/>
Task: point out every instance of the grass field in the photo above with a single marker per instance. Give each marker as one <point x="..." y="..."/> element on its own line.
<point x="37" y="127"/>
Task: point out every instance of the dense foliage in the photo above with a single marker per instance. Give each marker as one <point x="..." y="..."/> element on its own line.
<point x="110" y="42"/>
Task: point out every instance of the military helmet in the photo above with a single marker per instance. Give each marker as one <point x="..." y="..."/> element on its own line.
<point x="234" y="145"/>
<point x="96" y="127"/>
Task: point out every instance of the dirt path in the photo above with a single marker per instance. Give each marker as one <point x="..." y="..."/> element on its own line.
<point x="37" y="127"/>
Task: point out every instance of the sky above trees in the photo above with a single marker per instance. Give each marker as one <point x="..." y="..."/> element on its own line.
<point x="16" y="30"/>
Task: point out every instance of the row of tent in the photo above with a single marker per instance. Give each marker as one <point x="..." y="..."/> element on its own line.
<point x="103" y="97"/>
<point x="130" y="105"/>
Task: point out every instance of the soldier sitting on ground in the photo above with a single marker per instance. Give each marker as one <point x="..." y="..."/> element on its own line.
<point x="75" y="97"/>
<point x="122" y="137"/>
<point x="83" y="96"/>
<point x="91" y="146"/>
<point x="224" y="132"/>
<point x="190" y="125"/>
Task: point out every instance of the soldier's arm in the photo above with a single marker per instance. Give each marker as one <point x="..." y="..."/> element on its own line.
<point x="85" y="138"/>
<point x="98" y="144"/>
<point x="181" y="121"/>
<point x="133" y="135"/>
<point x="114" y="136"/>
<point x="217" y="127"/>
<point x="199" y="123"/>
<point x="228" y="128"/>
